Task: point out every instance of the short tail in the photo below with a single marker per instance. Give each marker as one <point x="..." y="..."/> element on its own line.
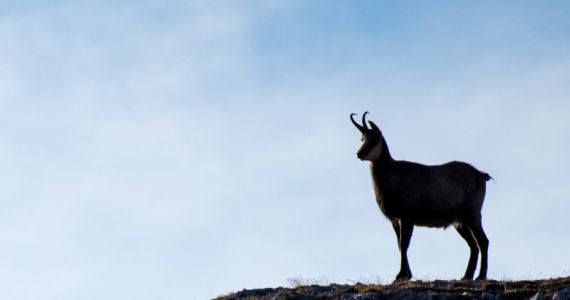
<point x="486" y="176"/>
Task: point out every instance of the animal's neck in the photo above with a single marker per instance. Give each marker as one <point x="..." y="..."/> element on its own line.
<point x="385" y="156"/>
<point x="381" y="167"/>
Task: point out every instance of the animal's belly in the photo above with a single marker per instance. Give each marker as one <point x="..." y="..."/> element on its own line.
<point x="419" y="217"/>
<point x="437" y="223"/>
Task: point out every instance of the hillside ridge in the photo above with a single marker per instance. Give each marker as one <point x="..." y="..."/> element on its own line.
<point x="555" y="288"/>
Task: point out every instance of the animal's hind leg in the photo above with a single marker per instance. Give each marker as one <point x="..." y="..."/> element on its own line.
<point x="396" y="226"/>
<point x="483" y="244"/>
<point x="466" y="234"/>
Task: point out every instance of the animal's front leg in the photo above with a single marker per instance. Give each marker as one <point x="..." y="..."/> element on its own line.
<point x="396" y="226"/>
<point x="406" y="230"/>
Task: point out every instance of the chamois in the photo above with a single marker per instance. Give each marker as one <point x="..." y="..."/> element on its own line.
<point x="411" y="194"/>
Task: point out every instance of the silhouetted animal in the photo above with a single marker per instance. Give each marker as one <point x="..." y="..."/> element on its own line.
<point x="411" y="194"/>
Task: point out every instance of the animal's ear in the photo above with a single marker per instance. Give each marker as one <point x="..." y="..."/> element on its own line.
<point x="374" y="127"/>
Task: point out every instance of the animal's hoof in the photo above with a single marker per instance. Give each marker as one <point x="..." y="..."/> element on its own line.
<point x="400" y="280"/>
<point x="403" y="276"/>
<point x="481" y="278"/>
<point x="466" y="278"/>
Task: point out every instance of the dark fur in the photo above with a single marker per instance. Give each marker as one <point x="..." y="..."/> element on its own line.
<point x="411" y="194"/>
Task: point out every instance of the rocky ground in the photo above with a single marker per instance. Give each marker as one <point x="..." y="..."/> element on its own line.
<point x="558" y="288"/>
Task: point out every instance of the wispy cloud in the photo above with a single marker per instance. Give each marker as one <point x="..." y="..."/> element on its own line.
<point x="187" y="149"/>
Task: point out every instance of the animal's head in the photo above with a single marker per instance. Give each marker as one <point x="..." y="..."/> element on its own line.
<point x="372" y="139"/>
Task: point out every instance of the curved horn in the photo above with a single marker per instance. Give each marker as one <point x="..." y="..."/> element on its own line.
<point x="364" y="121"/>
<point x="356" y="124"/>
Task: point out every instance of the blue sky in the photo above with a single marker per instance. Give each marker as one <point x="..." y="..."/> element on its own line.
<point x="183" y="150"/>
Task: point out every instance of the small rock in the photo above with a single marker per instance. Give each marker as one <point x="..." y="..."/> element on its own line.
<point x="466" y="294"/>
<point x="488" y="296"/>
<point x="443" y="284"/>
<point x="563" y="294"/>
<point x="365" y="296"/>
<point x="537" y="296"/>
